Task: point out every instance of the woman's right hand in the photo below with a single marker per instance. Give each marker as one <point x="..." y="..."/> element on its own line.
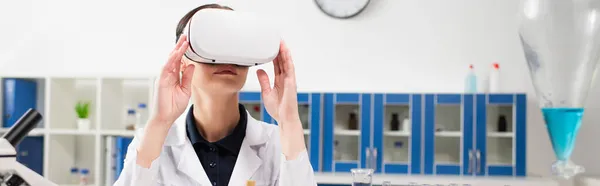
<point x="171" y="99"/>
<point x="173" y="94"/>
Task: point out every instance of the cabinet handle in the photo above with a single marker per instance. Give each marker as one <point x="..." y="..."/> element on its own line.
<point x="470" y="161"/>
<point x="368" y="157"/>
<point x="478" y="155"/>
<point x="374" y="159"/>
<point x="371" y="156"/>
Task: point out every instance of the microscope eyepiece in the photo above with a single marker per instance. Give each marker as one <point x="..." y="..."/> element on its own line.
<point x="22" y="127"/>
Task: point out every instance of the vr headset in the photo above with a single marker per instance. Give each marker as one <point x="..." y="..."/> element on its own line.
<point x="218" y="36"/>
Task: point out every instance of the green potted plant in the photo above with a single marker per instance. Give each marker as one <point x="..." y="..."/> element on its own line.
<point x="82" y="108"/>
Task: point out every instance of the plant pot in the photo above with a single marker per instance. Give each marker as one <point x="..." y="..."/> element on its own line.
<point x="83" y="124"/>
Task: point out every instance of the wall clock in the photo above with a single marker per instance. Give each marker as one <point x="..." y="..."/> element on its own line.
<point x="342" y="9"/>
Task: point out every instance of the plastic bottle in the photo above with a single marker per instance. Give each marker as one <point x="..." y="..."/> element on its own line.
<point x="406" y="124"/>
<point x="74" y="175"/>
<point x="84" y="177"/>
<point x="471" y="81"/>
<point x="131" y="119"/>
<point x="494" y="81"/>
<point x="336" y="154"/>
<point x="398" y="150"/>
<point x="142" y="116"/>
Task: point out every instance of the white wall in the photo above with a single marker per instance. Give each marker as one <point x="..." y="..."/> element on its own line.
<point x="394" y="46"/>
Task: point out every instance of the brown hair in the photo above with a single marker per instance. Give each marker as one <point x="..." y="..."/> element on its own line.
<point x="184" y="20"/>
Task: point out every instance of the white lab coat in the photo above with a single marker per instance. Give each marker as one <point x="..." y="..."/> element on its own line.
<point x="260" y="159"/>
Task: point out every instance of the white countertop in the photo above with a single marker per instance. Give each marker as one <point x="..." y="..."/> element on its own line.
<point x="346" y="178"/>
<point x="587" y="180"/>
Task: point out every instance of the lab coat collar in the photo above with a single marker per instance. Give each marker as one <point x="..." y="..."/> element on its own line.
<point x="248" y="159"/>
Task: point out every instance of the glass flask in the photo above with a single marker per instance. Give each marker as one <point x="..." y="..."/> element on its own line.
<point x="561" y="43"/>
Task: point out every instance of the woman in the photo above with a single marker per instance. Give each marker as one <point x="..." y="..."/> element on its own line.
<point x="216" y="141"/>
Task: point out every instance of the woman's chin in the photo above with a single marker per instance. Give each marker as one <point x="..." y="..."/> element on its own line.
<point x="227" y="87"/>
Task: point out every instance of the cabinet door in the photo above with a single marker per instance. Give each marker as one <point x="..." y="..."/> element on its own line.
<point x="19" y="95"/>
<point x="122" y="144"/>
<point x="501" y="134"/>
<point x="448" y="133"/>
<point x="397" y="132"/>
<point x="254" y="104"/>
<point x="309" y="108"/>
<point x="30" y="153"/>
<point x="346" y="132"/>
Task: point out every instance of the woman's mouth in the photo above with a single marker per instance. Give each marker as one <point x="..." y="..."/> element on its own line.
<point x="226" y="70"/>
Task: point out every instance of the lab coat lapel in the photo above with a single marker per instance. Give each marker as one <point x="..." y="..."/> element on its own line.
<point x="189" y="164"/>
<point x="247" y="163"/>
<point x="184" y="154"/>
<point x="248" y="160"/>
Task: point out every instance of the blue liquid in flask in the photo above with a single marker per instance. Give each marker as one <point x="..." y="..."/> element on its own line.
<point x="563" y="125"/>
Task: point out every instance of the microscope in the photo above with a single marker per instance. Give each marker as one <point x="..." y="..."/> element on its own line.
<point x="13" y="173"/>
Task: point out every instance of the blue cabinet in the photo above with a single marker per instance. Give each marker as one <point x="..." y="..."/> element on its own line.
<point x="430" y="134"/>
<point x="254" y="104"/>
<point x="19" y="95"/>
<point x="346" y="130"/>
<point x="448" y="133"/>
<point x="398" y="147"/>
<point x="30" y="153"/>
<point x="500" y="146"/>
<point x="310" y="110"/>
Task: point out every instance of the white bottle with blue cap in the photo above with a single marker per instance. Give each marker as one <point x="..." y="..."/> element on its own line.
<point x="84" y="177"/>
<point x="131" y="119"/>
<point x="142" y="115"/>
<point x="398" y="151"/>
<point x="74" y="175"/>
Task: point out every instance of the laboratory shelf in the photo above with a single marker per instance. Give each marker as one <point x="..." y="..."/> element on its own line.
<point x="501" y="134"/>
<point x="407" y="134"/>
<point x="71" y="132"/>
<point x="426" y="134"/>
<point x="448" y="134"/>
<point x="345" y="132"/>
<point x="120" y="95"/>
<point x="396" y="133"/>
<point x="63" y="94"/>
<point x="64" y="144"/>
<point x="123" y="133"/>
<point x="67" y="151"/>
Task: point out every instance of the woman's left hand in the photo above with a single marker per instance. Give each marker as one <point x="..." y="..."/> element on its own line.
<point x="282" y="103"/>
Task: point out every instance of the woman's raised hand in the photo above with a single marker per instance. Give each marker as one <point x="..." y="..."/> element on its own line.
<point x="172" y="96"/>
<point x="173" y="93"/>
<point x="282" y="103"/>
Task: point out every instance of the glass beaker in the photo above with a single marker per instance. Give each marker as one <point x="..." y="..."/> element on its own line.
<point x="362" y="177"/>
<point x="561" y="42"/>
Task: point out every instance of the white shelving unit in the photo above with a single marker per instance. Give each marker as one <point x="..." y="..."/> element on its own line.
<point x="65" y="145"/>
